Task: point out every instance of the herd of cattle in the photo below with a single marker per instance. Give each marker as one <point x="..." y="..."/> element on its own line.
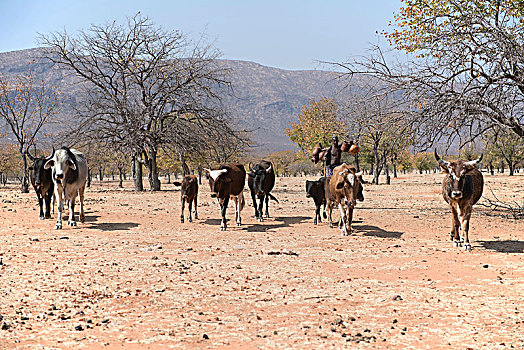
<point x="63" y="176"/>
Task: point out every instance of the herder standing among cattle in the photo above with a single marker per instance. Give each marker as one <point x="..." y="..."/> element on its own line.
<point x="331" y="156"/>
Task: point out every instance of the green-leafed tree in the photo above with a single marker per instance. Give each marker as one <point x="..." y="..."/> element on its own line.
<point x="317" y="123"/>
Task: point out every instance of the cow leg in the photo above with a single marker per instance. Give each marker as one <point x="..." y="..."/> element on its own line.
<point x="260" y="209"/>
<point x="71" y="221"/>
<point x="48" y="197"/>
<point x="238" y="207"/>
<point x="329" y="210"/>
<point x="343" y="219"/>
<point x="267" y="206"/>
<point x="183" y="203"/>
<point x="190" y="205"/>
<point x="196" y="213"/>
<point x="223" y="208"/>
<point x="81" y="197"/>
<point x="317" y="214"/>
<point x="58" y="195"/>
<point x="465" y="228"/>
<point x="41" y="205"/>
<point x="255" y="204"/>
<point x="455" y="236"/>
<point x="350" y="218"/>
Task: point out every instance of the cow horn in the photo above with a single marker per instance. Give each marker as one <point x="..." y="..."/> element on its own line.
<point x="52" y="154"/>
<point x="475" y="161"/>
<point x="250" y="166"/>
<point x="29" y="155"/>
<point x="440" y="161"/>
<point x="269" y="169"/>
<point x="207" y="170"/>
<point x="359" y="173"/>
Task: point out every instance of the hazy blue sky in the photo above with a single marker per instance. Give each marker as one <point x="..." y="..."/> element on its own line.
<point x="290" y="34"/>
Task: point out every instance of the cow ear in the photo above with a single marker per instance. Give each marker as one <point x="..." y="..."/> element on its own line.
<point x="49" y="164"/>
<point x="340" y="185"/>
<point x="71" y="164"/>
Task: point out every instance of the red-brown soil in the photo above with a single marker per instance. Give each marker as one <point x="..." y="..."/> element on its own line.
<point x="132" y="276"/>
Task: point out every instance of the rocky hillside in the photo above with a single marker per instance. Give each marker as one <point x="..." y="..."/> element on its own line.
<point x="265" y="99"/>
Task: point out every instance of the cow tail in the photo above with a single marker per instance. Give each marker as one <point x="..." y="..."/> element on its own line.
<point x="273" y="197"/>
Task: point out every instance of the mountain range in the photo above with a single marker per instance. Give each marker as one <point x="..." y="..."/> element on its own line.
<point x="265" y="99"/>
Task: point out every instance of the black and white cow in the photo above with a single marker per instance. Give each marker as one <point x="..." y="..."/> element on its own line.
<point x="69" y="173"/>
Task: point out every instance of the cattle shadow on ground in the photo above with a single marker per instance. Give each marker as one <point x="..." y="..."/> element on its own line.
<point x="507" y="246"/>
<point x="377" y="232"/>
<point x="91" y="218"/>
<point x="113" y="226"/>
<point x="269" y="224"/>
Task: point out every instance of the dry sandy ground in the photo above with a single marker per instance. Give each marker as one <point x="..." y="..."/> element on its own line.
<point x="134" y="277"/>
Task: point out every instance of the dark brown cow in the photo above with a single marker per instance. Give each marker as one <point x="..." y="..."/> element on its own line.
<point x="189" y="194"/>
<point x="461" y="189"/>
<point x="228" y="182"/>
<point x="316" y="190"/>
<point x="343" y="189"/>
<point x="42" y="182"/>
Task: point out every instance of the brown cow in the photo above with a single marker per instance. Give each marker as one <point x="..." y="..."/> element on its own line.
<point x="461" y="189"/>
<point x="228" y="182"/>
<point x="343" y="189"/>
<point x="189" y="194"/>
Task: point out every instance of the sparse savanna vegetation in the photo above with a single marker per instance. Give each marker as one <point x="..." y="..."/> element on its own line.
<point x="149" y="105"/>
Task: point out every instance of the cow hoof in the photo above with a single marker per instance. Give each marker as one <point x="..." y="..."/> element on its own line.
<point x="82" y="219"/>
<point x="182" y="220"/>
<point x="47" y="217"/>
<point x="467" y="247"/>
<point x="239" y="224"/>
<point x="189" y="220"/>
<point x="71" y="223"/>
<point x="222" y="229"/>
<point x="260" y="219"/>
<point x="315" y="222"/>
<point x="330" y="225"/>
<point x="58" y="226"/>
<point x="41" y="218"/>
<point x="457" y="244"/>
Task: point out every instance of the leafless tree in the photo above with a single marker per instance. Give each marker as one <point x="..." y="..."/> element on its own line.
<point x="26" y="106"/>
<point x="468" y="79"/>
<point x="144" y="87"/>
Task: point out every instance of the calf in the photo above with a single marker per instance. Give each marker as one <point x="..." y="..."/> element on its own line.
<point x="42" y="182"/>
<point x="189" y="194"/>
<point x="69" y="174"/>
<point x="228" y="182"/>
<point x="261" y="181"/>
<point x="343" y="189"/>
<point x="461" y="188"/>
<point x="316" y="190"/>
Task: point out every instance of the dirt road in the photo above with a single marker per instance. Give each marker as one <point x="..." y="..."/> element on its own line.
<point x="133" y="276"/>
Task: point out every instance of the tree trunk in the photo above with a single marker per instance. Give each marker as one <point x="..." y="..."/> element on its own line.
<point x="100" y="174"/>
<point x="511" y="169"/>
<point x="154" y="182"/>
<point x="185" y="168"/>
<point x="88" y="177"/>
<point x="386" y="170"/>
<point x="393" y="161"/>
<point x="137" y="174"/>
<point x="199" y="175"/>
<point x="168" y="178"/>
<point x="376" y="171"/>
<point x="25" y="180"/>
<point x="120" y="173"/>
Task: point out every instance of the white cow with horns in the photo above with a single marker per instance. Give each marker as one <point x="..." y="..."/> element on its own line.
<point x="69" y="169"/>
